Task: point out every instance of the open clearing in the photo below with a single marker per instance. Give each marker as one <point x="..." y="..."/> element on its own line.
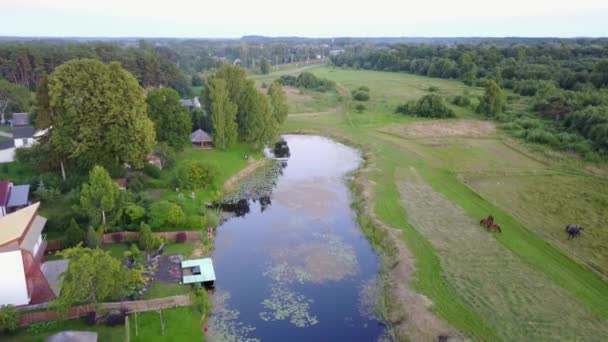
<point x="523" y="284"/>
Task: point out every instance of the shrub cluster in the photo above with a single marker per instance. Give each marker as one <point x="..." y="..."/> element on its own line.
<point x="309" y="81"/>
<point x="430" y="106"/>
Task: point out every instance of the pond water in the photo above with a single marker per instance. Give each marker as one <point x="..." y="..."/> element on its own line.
<point x="298" y="268"/>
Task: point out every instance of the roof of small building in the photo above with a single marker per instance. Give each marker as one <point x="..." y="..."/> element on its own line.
<point x="14" y="224"/>
<point x="204" y="266"/>
<point x="23" y="132"/>
<point x="199" y="136"/>
<point x="19" y="196"/>
<point x="121" y="182"/>
<point x="186" y="102"/>
<point x="73" y="336"/>
<point x="20" y="119"/>
<point x="5" y="187"/>
<point x="7" y="144"/>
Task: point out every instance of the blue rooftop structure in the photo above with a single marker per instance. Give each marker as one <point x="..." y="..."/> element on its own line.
<point x="198" y="271"/>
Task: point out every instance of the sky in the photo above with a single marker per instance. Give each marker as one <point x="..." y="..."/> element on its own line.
<point x="308" y="18"/>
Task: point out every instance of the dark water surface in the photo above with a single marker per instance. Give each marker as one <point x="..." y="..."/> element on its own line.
<point x="300" y="270"/>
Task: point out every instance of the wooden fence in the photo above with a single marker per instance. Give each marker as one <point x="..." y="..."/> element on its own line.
<point x="28" y="318"/>
<point x="119" y="237"/>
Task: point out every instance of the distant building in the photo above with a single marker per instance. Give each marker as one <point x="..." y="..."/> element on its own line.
<point x="22" y="137"/>
<point x="335" y="52"/>
<point x="191" y="104"/>
<point x="154" y="160"/>
<point x="22" y="247"/>
<point x="122" y="183"/>
<point x="20" y="119"/>
<point x="201" y="139"/>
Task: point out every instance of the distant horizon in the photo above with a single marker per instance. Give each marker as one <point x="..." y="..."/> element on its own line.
<point x="296" y="37"/>
<point x="316" y="18"/>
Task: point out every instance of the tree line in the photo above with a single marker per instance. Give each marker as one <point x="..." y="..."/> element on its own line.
<point x="565" y="82"/>
<point x="25" y="63"/>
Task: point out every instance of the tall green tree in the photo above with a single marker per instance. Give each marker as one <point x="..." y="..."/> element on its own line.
<point x="43" y="104"/>
<point x="99" y="196"/>
<point x="223" y="114"/>
<point x="172" y="121"/>
<point x="93" y="276"/>
<point x="493" y="101"/>
<point x="99" y="115"/>
<point x="264" y="66"/>
<point x="278" y="102"/>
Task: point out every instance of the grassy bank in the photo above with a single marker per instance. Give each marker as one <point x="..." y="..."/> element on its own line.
<point x="445" y="161"/>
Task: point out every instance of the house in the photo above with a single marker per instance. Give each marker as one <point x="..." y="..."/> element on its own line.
<point x="22" y="247"/>
<point x="201" y="139"/>
<point x="20" y="119"/>
<point x="23" y="136"/>
<point x="191" y="104"/>
<point x="122" y="183"/>
<point x="13" y="197"/>
<point x="154" y="160"/>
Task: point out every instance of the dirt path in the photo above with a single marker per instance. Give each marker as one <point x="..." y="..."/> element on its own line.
<point x="231" y="182"/>
<point x="517" y="300"/>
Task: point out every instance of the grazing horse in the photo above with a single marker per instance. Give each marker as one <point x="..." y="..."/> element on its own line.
<point x="494" y="228"/>
<point x="573" y="230"/>
<point x="487" y="222"/>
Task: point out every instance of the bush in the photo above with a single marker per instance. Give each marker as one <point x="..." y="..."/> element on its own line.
<point x="461" y="101"/>
<point x="213" y="217"/>
<point x="433" y="89"/>
<point x="195" y="222"/>
<point x="147" y="241"/>
<point x="181" y="237"/>
<point x="361" y="95"/>
<point x="152" y="171"/>
<point x="93" y="240"/>
<point x="165" y="214"/>
<point x="9" y="318"/>
<point x="74" y="235"/>
<point x="194" y="175"/>
<point x="540" y="136"/>
<point x="201" y="301"/>
<point x="360" y="107"/>
<point x="431" y="106"/>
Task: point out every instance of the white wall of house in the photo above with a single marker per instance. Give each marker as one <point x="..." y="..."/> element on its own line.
<point x="7" y="155"/>
<point x="25" y="142"/>
<point x="13" y="289"/>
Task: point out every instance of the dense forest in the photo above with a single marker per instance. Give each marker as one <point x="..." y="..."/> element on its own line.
<point x="564" y="82"/>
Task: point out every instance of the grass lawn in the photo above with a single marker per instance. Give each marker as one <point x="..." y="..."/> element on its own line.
<point x="179" y="248"/>
<point x="109" y="334"/>
<point x="7" y="129"/>
<point x="228" y="162"/>
<point x="160" y="290"/>
<point x="181" y="324"/>
<point x="464" y="288"/>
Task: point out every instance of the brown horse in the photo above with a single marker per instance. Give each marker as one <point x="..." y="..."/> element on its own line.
<point x="494" y="228"/>
<point x="487" y="222"/>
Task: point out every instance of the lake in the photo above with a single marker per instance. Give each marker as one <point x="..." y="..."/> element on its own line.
<point x="299" y="268"/>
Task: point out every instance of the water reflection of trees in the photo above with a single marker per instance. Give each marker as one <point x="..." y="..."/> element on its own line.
<point x="253" y="188"/>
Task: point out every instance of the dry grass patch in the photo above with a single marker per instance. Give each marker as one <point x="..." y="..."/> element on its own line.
<point x="443" y="129"/>
<point x="521" y="303"/>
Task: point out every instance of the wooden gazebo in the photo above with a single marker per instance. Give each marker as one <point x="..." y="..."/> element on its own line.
<point x="201" y="139"/>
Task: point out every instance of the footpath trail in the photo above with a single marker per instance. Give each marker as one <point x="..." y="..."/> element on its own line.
<point x="520" y="302"/>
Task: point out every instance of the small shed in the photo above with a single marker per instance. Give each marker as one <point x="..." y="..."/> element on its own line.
<point x="122" y="183"/>
<point x="198" y="271"/>
<point x="201" y="139"/>
<point x="18" y="197"/>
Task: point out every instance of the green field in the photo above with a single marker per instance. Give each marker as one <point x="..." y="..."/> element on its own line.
<point x="181" y="324"/>
<point x="434" y="181"/>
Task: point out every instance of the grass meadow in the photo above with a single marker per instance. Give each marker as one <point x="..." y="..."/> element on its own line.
<point x="434" y="181"/>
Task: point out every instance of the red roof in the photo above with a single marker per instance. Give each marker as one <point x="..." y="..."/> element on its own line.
<point x="4" y="190"/>
<point x="121" y="182"/>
